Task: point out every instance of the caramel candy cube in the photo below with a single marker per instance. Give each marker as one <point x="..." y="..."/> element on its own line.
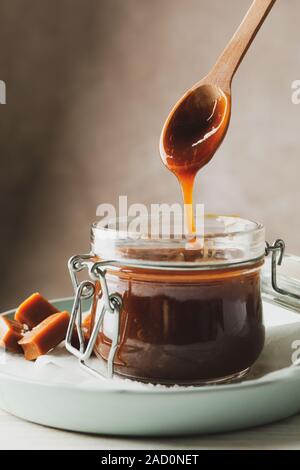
<point x="85" y="327"/>
<point x="34" y="310"/>
<point x="10" y="333"/>
<point x="46" y="336"/>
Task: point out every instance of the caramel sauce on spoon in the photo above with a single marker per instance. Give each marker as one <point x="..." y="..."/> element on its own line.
<point x="191" y="136"/>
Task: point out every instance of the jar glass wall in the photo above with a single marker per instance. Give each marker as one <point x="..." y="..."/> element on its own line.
<point x="191" y="313"/>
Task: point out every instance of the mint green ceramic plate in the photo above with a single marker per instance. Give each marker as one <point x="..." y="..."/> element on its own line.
<point x="146" y="412"/>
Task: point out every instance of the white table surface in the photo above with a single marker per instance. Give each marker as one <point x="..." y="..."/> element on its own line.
<point x="18" y="434"/>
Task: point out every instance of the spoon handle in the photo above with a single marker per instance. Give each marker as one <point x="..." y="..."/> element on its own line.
<point x="229" y="61"/>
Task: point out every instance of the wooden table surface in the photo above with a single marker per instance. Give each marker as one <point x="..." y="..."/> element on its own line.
<point x="19" y="434"/>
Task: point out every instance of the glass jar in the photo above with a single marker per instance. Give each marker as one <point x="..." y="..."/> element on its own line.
<point x="169" y="311"/>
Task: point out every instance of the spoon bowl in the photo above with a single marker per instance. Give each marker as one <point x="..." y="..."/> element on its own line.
<point x="195" y="128"/>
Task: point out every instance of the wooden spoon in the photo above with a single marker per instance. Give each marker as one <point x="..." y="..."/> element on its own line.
<point x="198" y="122"/>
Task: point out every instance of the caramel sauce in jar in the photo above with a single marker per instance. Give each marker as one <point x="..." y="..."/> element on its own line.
<point x="197" y="322"/>
<point x="187" y="328"/>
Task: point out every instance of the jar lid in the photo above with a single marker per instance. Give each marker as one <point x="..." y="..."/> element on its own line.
<point x="144" y="241"/>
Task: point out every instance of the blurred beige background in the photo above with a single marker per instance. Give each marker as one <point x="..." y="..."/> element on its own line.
<point x="89" y="83"/>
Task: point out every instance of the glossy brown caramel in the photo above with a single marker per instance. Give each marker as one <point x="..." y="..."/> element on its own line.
<point x="186" y="328"/>
<point x="192" y="135"/>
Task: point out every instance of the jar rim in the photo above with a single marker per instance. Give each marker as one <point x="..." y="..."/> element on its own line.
<point x="240" y="241"/>
<point x="227" y="220"/>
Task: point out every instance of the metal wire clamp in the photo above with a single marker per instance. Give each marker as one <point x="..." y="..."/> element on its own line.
<point x="111" y="303"/>
<point x="278" y="247"/>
